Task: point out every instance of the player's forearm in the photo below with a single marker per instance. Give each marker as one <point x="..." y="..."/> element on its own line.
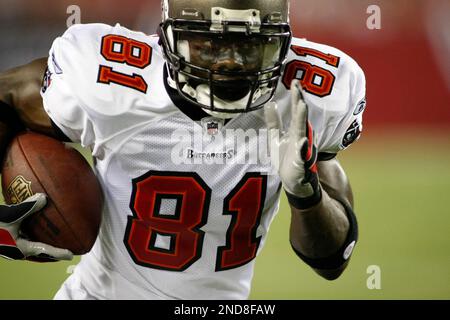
<point x="6" y="133"/>
<point x="5" y="89"/>
<point x="20" y="90"/>
<point x="321" y="230"/>
<point x="9" y="120"/>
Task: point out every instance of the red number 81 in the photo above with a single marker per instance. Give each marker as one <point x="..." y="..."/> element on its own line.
<point x="124" y="50"/>
<point x="314" y="79"/>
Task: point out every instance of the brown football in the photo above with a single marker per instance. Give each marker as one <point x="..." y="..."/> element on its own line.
<point x="36" y="163"/>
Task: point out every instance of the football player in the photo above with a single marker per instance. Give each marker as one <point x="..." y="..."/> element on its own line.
<point x="191" y="229"/>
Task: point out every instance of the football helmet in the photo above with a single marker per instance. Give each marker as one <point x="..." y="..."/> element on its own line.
<point x="225" y="56"/>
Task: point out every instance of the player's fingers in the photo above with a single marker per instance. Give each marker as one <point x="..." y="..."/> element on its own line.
<point x="39" y="249"/>
<point x="272" y="117"/>
<point x="10" y="214"/>
<point x="299" y="121"/>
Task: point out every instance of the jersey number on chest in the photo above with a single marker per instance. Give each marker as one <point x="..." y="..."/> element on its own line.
<point x="183" y="227"/>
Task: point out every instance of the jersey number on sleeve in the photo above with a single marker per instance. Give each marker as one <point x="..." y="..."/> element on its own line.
<point x="314" y="79"/>
<point x="126" y="51"/>
<point x="173" y="239"/>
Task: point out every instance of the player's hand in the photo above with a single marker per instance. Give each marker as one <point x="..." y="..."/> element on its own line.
<point x="297" y="153"/>
<point x="13" y="246"/>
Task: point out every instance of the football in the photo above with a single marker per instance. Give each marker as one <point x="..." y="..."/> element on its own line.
<point x="35" y="163"/>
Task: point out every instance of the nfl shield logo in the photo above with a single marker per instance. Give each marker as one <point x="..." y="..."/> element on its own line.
<point x="19" y="189"/>
<point x="212" y="128"/>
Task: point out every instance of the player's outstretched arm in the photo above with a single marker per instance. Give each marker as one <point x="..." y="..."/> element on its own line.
<point x="323" y="235"/>
<point x="323" y="227"/>
<point x="21" y="102"/>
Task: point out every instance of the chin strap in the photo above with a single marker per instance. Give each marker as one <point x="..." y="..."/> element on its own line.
<point x="202" y="95"/>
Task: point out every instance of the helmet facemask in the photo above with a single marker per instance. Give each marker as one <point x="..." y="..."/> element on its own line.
<point x="229" y="64"/>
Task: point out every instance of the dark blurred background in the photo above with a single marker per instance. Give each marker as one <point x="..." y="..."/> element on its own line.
<point x="399" y="170"/>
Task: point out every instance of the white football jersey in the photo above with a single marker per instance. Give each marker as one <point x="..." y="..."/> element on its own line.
<point x="188" y="203"/>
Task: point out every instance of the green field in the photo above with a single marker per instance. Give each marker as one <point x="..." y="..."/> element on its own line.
<point x="402" y="192"/>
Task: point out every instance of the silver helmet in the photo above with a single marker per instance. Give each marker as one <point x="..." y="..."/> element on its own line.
<point x="225" y="56"/>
